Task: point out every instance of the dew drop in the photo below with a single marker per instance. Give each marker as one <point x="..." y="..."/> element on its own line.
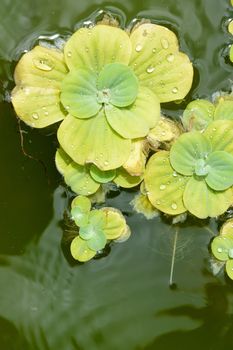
<point x="163" y="133"/>
<point x="219" y="250"/>
<point x="170" y="57"/>
<point x="69" y="53"/>
<point x="154" y="50"/>
<point x="162" y="187"/>
<point x="174" y="90"/>
<point x="138" y="48"/>
<point x="164" y="43"/>
<point x="106" y="162"/>
<point x="35" y="116"/>
<point x="158" y="202"/>
<point x="150" y="69"/>
<point x="174" y="174"/>
<point x="43" y="64"/>
<point x="174" y="206"/>
<point x="46" y="113"/>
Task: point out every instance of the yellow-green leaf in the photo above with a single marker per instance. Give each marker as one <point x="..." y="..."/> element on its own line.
<point x="115" y="224"/>
<point x="159" y="65"/>
<point x="95" y="47"/>
<point x="38" y="78"/>
<point x="125" y="180"/>
<point x="164" y="186"/>
<point x="220" y="135"/>
<point x="203" y="202"/>
<point x="93" y="141"/>
<point x="80" y="250"/>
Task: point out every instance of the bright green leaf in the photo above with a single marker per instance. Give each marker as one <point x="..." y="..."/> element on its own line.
<point x="97" y="241"/>
<point x="79" y="179"/>
<point x="102" y="176"/>
<point x="125" y="180"/>
<point x="81" y="218"/>
<point x="220" y="175"/>
<point x="117" y="84"/>
<point x="188" y="150"/>
<point x="136" y="120"/>
<point x="80" y="209"/>
<point x="79" y="93"/>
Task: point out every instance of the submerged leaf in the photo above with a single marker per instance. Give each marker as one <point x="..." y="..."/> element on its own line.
<point x="80" y="210"/>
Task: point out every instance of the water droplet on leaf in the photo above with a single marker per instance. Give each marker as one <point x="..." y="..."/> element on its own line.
<point x="164" y="43"/>
<point x="174" y="206"/>
<point x="150" y="69"/>
<point x="35" y="116"/>
<point x="43" y="64"/>
<point x="138" y="48"/>
<point x="174" y="90"/>
<point x="162" y="187"/>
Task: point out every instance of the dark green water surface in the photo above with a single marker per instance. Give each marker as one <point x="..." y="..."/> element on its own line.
<point x="121" y="301"/>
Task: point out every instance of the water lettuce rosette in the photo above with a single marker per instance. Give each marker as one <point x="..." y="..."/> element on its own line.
<point x="105" y="87"/>
<point x="196" y="175"/>
<point x="200" y="113"/>
<point x="96" y="228"/>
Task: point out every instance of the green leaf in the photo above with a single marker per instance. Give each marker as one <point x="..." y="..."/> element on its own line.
<point x="80" y="210"/>
<point x="80" y="250"/>
<point x="97" y="218"/>
<point x="220" y="134"/>
<point x="115" y="224"/>
<point x="224" y="110"/>
<point x="117" y="84"/>
<point x="38" y="77"/>
<point x="201" y="201"/>
<point x="136" y="120"/>
<point x="220" y="247"/>
<point x="102" y="176"/>
<point x="229" y="263"/>
<point x="98" y="241"/>
<point x="93" y="141"/>
<point x="197" y="115"/>
<point x="220" y="175"/>
<point x="79" y="179"/>
<point x="187" y="150"/>
<point x="62" y="160"/>
<point x="80" y="218"/>
<point x="164" y="186"/>
<point x="227" y="228"/>
<point x="96" y="47"/>
<point x="79" y="93"/>
<point x="231" y="53"/>
<point x="125" y="180"/>
<point x="158" y="64"/>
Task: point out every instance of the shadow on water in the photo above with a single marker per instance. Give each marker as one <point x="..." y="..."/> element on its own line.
<point x="216" y="329"/>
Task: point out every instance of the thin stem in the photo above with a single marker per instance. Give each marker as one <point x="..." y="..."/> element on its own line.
<point x="171" y="283"/>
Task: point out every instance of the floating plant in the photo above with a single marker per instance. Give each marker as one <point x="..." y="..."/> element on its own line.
<point x="106" y="101"/>
<point x="96" y="228"/>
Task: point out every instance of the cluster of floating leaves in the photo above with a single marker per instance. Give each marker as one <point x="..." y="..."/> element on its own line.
<point x="107" y="99"/>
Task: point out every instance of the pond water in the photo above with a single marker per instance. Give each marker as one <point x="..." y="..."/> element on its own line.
<point x="121" y="301"/>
